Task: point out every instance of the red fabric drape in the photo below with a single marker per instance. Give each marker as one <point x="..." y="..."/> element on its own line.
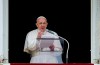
<point x="51" y="64"/>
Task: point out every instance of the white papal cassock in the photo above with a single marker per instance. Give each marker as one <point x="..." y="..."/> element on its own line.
<point x="31" y="44"/>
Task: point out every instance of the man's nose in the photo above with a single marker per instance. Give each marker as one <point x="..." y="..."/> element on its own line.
<point x="42" y="24"/>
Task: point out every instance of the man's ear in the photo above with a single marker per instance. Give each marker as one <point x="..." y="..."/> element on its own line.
<point x="47" y="23"/>
<point x="36" y="24"/>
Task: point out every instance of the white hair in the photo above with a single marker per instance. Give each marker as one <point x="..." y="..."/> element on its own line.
<point x="41" y="17"/>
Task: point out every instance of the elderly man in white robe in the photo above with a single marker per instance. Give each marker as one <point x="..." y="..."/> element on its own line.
<point x="32" y="44"/>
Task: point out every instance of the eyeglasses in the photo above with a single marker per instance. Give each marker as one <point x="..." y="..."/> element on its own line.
<point x="42" y="23"/>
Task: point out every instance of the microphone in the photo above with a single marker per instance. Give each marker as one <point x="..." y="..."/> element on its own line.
<point x="63" y="39"/>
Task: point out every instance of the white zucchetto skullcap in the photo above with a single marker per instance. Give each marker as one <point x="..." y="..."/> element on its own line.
<point x="41" y="17"/>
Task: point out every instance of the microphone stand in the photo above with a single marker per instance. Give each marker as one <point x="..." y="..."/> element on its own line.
<point x="65" y="40"/>
<point x="67" y="48"/>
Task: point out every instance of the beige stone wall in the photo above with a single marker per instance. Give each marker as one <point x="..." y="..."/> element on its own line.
<point x="95" y="31"/>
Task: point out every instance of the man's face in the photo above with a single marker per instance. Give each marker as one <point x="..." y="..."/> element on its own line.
<point x="41" y="24"/>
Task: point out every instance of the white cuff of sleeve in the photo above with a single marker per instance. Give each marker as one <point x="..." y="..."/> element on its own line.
<point x="46" y="49"/>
